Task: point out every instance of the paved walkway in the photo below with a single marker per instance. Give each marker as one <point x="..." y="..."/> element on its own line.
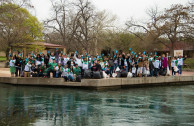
<point x="5" y="72"/>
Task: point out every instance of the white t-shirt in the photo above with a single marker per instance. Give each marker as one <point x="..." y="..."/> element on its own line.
<point x="51" y="59"/>
<point x="27" y="67"/>
<point x="12" y="63"/>
<point x="180" y="61"/>
<point x="65" y="72"/>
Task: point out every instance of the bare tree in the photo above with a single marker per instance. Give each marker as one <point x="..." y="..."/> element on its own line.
<point x="174" y="24"/>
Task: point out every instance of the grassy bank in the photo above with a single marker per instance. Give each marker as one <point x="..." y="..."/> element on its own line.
<point x="2" y="58"/>
<point x="190" y="63"/>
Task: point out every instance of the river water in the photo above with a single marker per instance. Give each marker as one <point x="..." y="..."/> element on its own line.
<point x="39" y="106"/>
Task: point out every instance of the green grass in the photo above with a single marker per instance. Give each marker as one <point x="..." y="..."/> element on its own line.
<point x="2" y="58"/>
<point x="190" y="63"/>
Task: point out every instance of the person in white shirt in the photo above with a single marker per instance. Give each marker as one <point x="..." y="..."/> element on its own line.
<point x="134" y="70"/>
<point x="12" y="66"/>
<point x="180" y="64"/>
<point x="156" y="66"/>
<point x="51" y="58"/>
<point x="173" y="64"/>
<point x="27" y="69"/>
<point x="65" y="72"/>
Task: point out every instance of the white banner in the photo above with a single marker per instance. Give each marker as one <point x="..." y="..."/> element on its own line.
<point x="178" y="53"/>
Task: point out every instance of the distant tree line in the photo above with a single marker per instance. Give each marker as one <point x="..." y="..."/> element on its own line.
<point x="78" y="25"/>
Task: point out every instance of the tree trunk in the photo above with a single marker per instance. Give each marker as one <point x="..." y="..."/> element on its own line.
<point x="172" y="50"/>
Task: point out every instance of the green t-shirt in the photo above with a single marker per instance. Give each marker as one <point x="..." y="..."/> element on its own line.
<point x="77" y="71"/>
<point x="52" y="66"/>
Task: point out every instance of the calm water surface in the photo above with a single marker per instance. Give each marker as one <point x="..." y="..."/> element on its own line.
<point x="38" y="106"/>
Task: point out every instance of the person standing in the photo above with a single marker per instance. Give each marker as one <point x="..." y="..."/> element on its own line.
<point x="27" y="69"/>
<point x="18" y="65"/>
<point x="164" y="63"/>
<point x="173" y="64"/>
<point x="12" y="66"/>
<point x="180" y="64"/>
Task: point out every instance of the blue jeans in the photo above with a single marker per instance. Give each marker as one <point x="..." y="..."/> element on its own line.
<point x="116" y="65"/>
<point x="126" y="68"/>
<point x="180" y="67"/>
<point x="111" y="70"/>
<point x="151" y="72"/>
<point x="156" y="72"/>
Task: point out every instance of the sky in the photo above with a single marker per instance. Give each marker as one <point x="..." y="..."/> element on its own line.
<point x="123" y="9"/>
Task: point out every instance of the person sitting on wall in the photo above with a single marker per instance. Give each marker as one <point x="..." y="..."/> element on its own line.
<point x="94" y="67"/>
<point x="71" y="75"/>
<point x="58" y="70"/>
<point x="45" y="71"/>
<point x="65" y="72"/>
<point x="34" y="70"/>
<point x="52" y="66"/>
<point x="77" y="70"/>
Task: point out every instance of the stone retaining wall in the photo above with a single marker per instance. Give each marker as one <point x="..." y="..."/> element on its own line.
<point x="100" y="83"/>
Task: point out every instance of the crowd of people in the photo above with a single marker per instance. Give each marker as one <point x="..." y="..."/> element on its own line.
<point x="58" y="64"/>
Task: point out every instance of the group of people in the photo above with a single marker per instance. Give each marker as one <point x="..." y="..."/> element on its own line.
<point x="71" y="66"/>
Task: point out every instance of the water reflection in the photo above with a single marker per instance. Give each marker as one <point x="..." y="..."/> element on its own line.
<point x="142" y="106"/>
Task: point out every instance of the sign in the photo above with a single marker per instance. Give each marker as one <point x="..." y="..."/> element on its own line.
<point x="178" y="53"/>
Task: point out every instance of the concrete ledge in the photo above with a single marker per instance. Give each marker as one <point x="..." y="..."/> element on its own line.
<point x="100" y="83"/>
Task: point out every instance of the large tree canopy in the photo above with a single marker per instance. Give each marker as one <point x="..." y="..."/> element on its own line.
<point x="17" y="25"/>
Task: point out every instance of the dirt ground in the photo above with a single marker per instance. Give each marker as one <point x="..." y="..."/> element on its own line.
<point x="5" y="72"/>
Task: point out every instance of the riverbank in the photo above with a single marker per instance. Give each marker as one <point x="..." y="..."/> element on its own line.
<point x="99" y="84"/>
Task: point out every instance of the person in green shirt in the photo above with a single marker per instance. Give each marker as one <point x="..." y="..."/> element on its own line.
<point x="52" y="68"/>
<point x="77" y="70"/>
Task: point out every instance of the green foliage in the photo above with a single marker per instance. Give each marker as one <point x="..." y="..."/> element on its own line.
<point x="36" y="48"/>
<point x="189" y="62"/>
<point x="18" y="26"/>
<point x="2" y="58"/>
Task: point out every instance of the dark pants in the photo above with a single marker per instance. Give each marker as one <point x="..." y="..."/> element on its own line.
<point x="111" y="70"/>
<point x="151" y="72"/>
<point x="65" y="78"/>
<point x="82" y="72"/>
<point x="58" y="74"/>
<point x="18" y="69"/>
<point x="156" y="72"/>
<point x="54" y="73"/>
<point x="173" y="72"/>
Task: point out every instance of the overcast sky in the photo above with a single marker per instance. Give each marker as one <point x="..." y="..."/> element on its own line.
<point x="124" y="9"/>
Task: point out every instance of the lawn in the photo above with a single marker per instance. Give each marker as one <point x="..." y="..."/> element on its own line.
<point x="2" y="58"/>
<point x="190" y="62"/>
